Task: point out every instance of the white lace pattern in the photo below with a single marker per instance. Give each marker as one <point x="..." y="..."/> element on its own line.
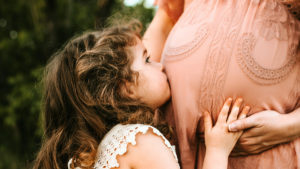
<point x="115" y="143"/>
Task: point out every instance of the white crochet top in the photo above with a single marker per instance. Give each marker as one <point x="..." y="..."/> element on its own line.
<point x="115" y="143"/>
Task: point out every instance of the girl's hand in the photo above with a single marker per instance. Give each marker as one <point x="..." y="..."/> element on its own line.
<point x="265" y="130"/>
<point x="218" y="139"/>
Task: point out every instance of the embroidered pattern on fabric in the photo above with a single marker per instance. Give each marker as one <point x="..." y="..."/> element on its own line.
<point x="199" y="38"/>
<point x="256" y="72"/>
<point x="192" y="20"/>
<point x="218" y="59"/>
<point x="116" y="141"/>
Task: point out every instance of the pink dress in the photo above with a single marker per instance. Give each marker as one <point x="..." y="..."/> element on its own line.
<point x="233" y="48"/>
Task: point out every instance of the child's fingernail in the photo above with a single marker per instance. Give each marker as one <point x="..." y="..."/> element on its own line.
<point x="232" y="127"/>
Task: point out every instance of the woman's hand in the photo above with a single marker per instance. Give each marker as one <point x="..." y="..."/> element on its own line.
<point x="217" y="138"/>
<point x="265" y="130"/>
<point x="174" y="8"/>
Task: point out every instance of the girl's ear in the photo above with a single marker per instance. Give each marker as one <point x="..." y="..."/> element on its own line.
<point x="129" y="89"/>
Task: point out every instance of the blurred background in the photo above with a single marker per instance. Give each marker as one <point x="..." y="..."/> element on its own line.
<point x="30" y="32"/>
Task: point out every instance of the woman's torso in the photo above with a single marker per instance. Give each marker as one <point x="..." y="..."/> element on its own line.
<point x="242" y="48"/>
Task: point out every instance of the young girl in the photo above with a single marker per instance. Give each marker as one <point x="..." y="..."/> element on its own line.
<point x="102" y="87"/>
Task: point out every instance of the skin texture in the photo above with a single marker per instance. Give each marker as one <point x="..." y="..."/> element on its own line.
<point x="152" y="86"/>
<point x="148" y="153"/>
<point x="265" y="130"/>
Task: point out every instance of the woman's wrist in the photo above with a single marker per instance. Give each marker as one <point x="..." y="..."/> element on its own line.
<point x="292" y="123"/>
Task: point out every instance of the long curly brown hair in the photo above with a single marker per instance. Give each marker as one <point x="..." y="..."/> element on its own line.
<point x="85" y="95"/>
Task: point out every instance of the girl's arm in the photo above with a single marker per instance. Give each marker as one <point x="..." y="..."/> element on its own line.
<point x="157" y="33"/>
<point x="219" y="141"/>
<point x="265" y="130"/>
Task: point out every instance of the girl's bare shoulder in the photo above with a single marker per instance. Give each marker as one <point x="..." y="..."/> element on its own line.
<point x="135" y="146"/>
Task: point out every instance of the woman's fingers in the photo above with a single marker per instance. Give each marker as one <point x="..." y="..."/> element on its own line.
<point x="224" y="112"/>
<point x="235" y="110"/>
<point x="243" y="124"/>
<point x="207" y="122"/>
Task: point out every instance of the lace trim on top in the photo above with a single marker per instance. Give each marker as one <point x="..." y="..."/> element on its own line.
<point x="116" y="140"/>
<point x="115" y="143"/>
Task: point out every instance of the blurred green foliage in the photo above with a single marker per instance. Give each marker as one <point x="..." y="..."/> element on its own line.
<point x="30" y="32"/>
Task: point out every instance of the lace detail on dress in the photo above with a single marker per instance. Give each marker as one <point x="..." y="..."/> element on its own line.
<point x="116" y="140"/>
<point x="189" y="23"/>
<point x="217" y="61"/>
<point x="184" y="50"/>
<point x="256" y="72"/>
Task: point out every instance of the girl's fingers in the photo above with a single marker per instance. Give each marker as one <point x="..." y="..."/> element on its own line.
<point x="242" y="123"/>
<point x="207" y="122"/>
<point x="244" y="112"/>
<point x="235" y="110"/>
<point x="224" y="112"/>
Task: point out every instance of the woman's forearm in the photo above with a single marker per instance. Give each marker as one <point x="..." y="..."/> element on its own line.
<point x="157" y="33"/>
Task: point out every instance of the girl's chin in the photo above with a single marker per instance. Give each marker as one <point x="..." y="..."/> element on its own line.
<point x="167" y="98"/>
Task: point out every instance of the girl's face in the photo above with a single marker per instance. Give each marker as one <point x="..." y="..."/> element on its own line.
<point x="152" y="87"/>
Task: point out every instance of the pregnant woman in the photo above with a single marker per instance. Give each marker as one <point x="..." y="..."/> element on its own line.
<point x="240" y="48"/>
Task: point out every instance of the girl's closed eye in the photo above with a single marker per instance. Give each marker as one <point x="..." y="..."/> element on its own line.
<point x="148" y="59"/>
